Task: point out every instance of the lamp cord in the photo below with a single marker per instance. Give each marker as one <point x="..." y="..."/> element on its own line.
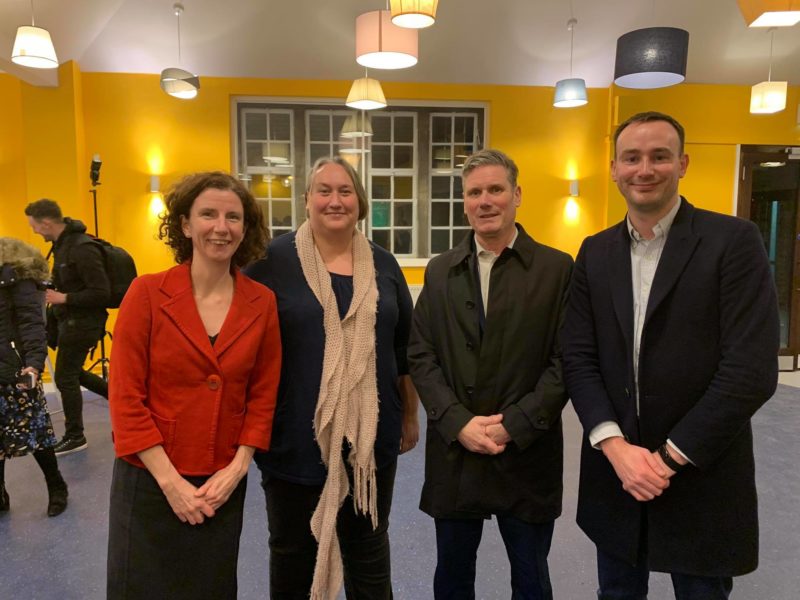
<point x="33" y="20"/>
<point x="178" y="14"/>
<point x="771" y="40"/>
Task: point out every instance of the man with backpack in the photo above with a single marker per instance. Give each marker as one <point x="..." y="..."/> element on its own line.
<point x="78" y="299"/>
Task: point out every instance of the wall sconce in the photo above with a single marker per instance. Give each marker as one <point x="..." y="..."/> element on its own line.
<point x="155" y="184"/>
<point x="574" y="190"/>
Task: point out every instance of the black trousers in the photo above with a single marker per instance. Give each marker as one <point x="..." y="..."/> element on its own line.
<point x="74" y="344"/>
<point x="293" y="549"/>
<point x="153" y="555"/>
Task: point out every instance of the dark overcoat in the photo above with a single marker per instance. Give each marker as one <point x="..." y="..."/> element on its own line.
<point x="707" y="362"/>
<point x="513" y="368"/>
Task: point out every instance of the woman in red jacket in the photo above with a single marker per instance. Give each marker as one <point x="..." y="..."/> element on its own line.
<point x="194" y="375"/>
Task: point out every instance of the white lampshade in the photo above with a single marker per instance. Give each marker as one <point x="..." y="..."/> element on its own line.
<point x="357" y="127"/>
<point x="414" y="14"/>
<point x="276" y="153"/>
<point x="768" y="97"/>
<point x="366" y="94"/>
<point x="380" y="44"/>
<point x="34" y="48"/>
<point x="570" y="93"/>
<point x="770" y="13"/>
<point x="179" y="83"/>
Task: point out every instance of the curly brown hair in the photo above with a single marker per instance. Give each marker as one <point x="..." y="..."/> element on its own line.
<point x="179" y="203"/>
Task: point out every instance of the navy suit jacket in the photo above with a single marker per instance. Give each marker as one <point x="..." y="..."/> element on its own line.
<point x="707" y="362"/>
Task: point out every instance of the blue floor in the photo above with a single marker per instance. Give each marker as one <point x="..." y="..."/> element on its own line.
<point x="63" y="558"/>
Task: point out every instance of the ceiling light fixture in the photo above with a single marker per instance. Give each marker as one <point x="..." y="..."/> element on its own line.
<point x="175" y="81"/>
<point x="380" y="44"/>
<point x="414" y="14"/>
<point x="570" y="92"/>
<point x="769" y="96"/>
<point x="770" y="13"/>
<point x="33" y="47"/>
<point x="356" y="127"/>
<point x="651" y="58"/>
<point x="366" y="94"/>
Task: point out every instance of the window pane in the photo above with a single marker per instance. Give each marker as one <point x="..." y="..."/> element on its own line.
<point x="461" y="154"/>
<point x="403" y="157"/>
<point x="441" y="130"/>
<point x="440" y="187"/>
<point x="318" y="151"/>
<point x="403" y="188"/>
<point x="381" y="157"/>
<point x="404" y="129"/>
<point x="282" y="187"/>
<point x="440" y="214"/>
<point x="381" y="237"/>
<point x="255" y="126"/>
<point x="440" y="157"/>
<point x="281" y="213"/>
<point x="254" y="155"/>
<point x="440" y="241"/>
<point x="459" y="218"/>
<point x="279" y="127"/>
<point x="402" y="241"/>
<point x="464" y="129"/>
<point x="380" y="214"/>
<point x="381" y="186"/>
<point x="381" y="129"/>
<point x="338" y="123"/>
<point x="458" y="235"/>
<point x="403" y="212"/>
<point x="319" y="128"/>
<point x="458" y="190"/>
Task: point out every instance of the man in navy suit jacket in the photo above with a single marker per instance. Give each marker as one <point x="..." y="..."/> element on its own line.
<point x="670" y="346"/>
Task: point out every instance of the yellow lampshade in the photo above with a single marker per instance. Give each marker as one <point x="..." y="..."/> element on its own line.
<point x="414" y="14"/>
<point x="768" y="97"/>
<point x="380" y="44"/>
<point x="770" y="13"/>
<point x="34" y="48"/>
<point x="366" y="94"/>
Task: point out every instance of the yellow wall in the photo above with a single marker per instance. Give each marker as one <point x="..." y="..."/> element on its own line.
<point x="12" y="159"/>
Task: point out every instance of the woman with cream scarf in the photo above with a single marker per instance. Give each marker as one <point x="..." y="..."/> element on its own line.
<point x="346" y="407"/>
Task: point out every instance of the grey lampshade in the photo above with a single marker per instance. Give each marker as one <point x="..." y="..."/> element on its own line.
<point x="570" y="93"/>
<point x="180" y="83"/>
<point x="651" y="58"/>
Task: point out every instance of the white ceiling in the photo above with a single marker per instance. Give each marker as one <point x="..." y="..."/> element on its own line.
<point x="515" y="42"/>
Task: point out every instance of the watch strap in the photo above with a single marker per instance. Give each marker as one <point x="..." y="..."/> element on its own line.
<point x="663" y="452"/>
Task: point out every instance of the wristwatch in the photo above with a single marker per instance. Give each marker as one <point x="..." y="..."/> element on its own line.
<point x="663" y="452"/>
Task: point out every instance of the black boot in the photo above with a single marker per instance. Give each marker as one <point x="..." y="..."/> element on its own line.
<point x="57" y="502"/>
<point x="5" y="503"/>
<point x="56" y="486"/>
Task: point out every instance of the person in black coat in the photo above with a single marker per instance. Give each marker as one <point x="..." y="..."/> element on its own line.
<point x="485" y="359"/>
<point x="78" y="300"/>
<point x="24" y="422"/>
<point x="670" y="346"/>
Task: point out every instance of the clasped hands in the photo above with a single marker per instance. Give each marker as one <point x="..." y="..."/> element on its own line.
<point x="484" y="435"/>
<point x="643" y="474"/>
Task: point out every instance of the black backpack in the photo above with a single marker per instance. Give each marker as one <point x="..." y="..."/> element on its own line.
<point x="120" y="268"/>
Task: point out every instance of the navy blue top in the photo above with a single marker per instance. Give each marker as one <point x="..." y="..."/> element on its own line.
<point x="294" y="454"/>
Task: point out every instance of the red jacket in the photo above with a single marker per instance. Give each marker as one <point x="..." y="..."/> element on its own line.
<point x="168" y="385"/>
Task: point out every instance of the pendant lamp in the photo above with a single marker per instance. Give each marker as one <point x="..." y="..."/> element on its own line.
<point x="570" y="92"/>
<point x="770" y="13"/>
<point x="357" y="126"/>
<point x="175" y="81"/>
<point x="33" y="47"/>
<point x="380" y="44"/>
<point x="414" y="14"/>
<point x="366" y="94"/>
<point x="651" y="58"/>
<point x="769" y="96"/>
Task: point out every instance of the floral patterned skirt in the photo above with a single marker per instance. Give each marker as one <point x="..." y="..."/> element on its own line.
<point x="24" y="421"/>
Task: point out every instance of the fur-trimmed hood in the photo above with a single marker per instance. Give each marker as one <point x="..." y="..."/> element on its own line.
<point x="27" y="261"/>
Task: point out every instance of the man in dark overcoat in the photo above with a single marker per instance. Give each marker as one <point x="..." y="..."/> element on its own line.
<point x="670" y="346"/>
<point x="485" y="359"/>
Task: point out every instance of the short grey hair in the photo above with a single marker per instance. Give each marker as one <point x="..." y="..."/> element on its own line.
<point x="487" y="158"/>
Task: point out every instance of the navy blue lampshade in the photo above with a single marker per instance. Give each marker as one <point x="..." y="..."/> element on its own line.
<point x="651" y="58"/>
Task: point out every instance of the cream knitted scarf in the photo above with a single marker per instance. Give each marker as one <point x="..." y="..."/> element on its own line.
<point x="347" y="407"/>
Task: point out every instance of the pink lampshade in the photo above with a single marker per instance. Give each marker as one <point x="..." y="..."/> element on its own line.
<point x="380" y="44"/>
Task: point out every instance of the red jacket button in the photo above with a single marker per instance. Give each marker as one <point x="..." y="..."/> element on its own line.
<point x="213" y="382"/>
